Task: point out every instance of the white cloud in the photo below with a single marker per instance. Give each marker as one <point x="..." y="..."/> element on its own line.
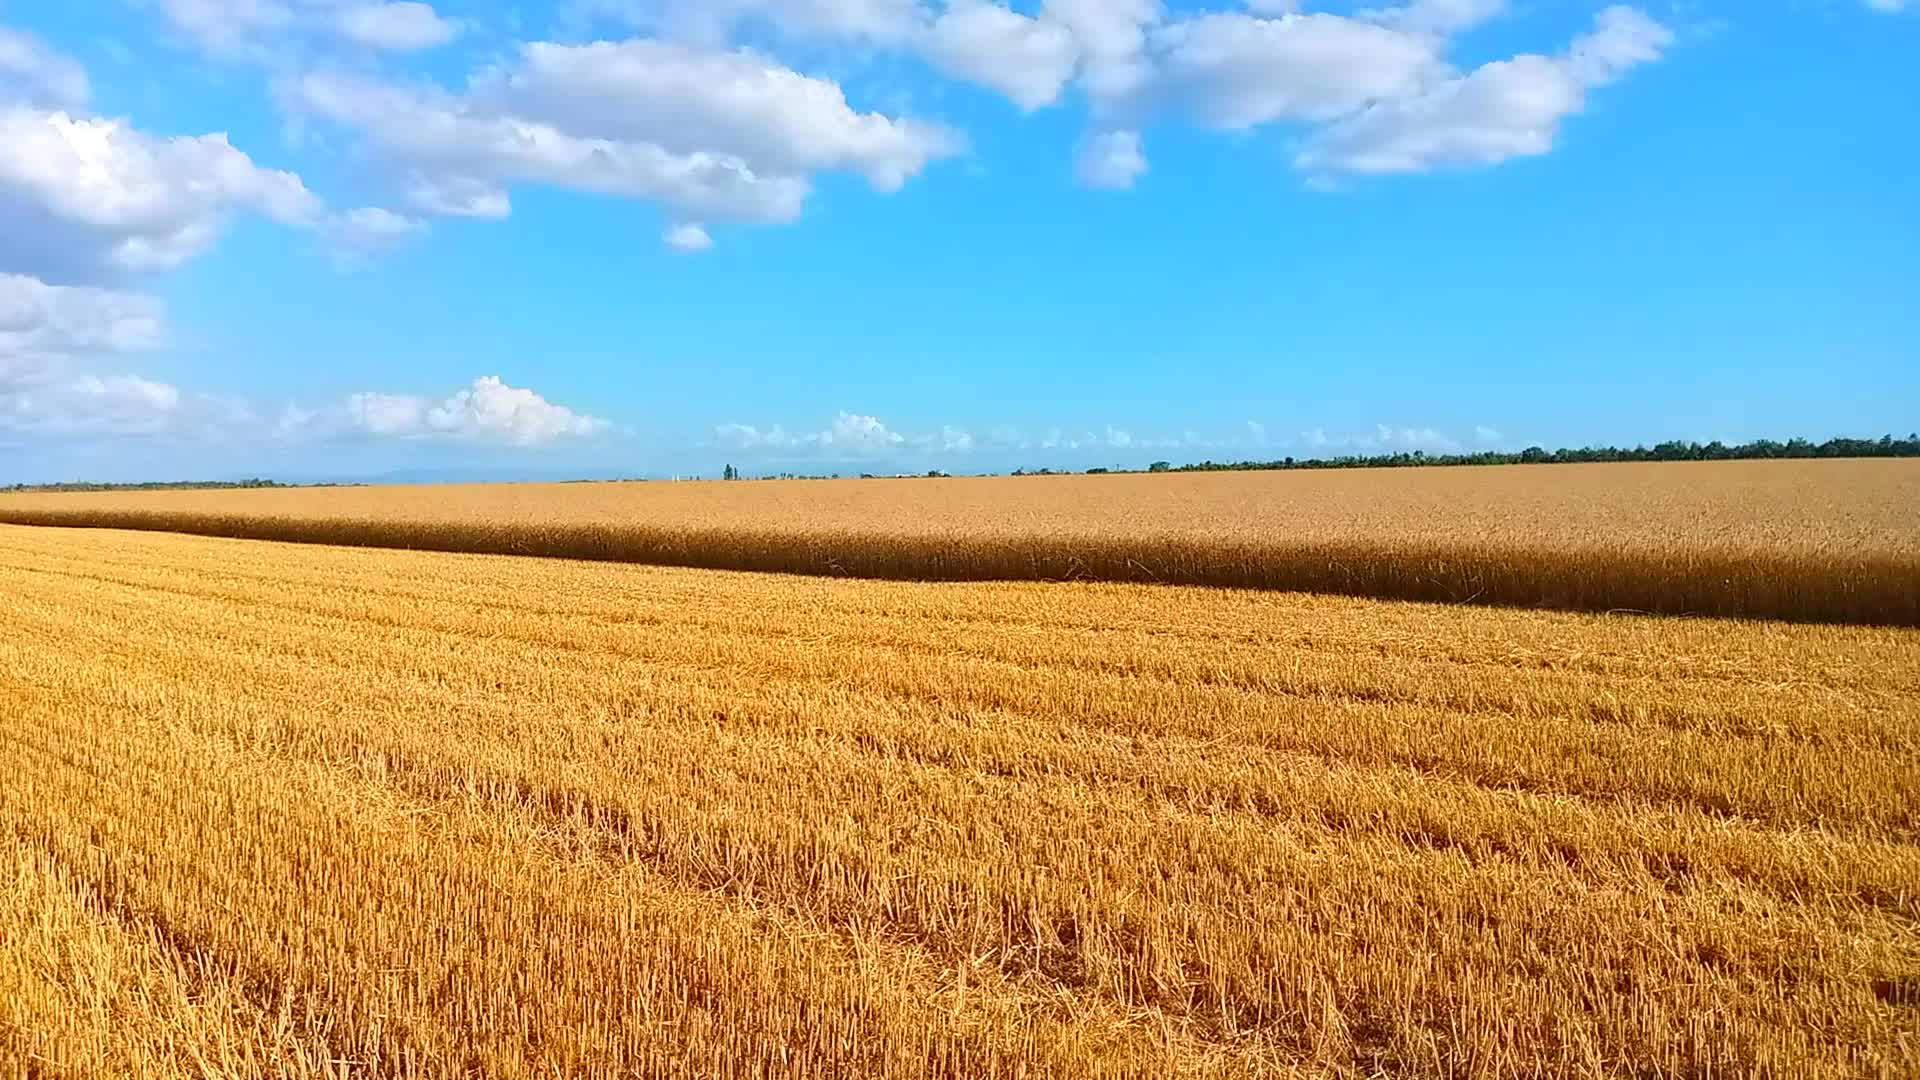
<point x="227" y="26"/>
<point x="85" y="197"/>
<point x="49" y="332"/>
<point x="1409" y="438"/>
<point x="1440" y="17"/>
<point x="457" y="196"/>
<point x="714" y="136"/>
<point x="454" y="141"/>
<point x="35" y="74"/>
<point x="748" y="437"/>
<point x="713" y="132"/>
<point x="732" y="103"/>
<point x="1887" y="5"/>
<point x="400" y="27"/>
<point x="882" y="22"/>
<point x="852" y="431"/>
<point x="948" y="440"/>
<point x="1112" y="39"/>
<point x="1111" y="159"/>
<point x="1029" y="60"/>
<point x="265" y="31"/>
<point x="42" y="320"/>
<point x="688" y="239"/>
<point x="1239" y="71"/>
<point x="127" y="394"/>
<point x="1504" y="109"/>
<point x="1484" y="434"/>
<point x="1622" y="39"/>
<point x="489" y="410"/>
<point x="89" y="405"/>
<point x="387" y="414"/>
<point x="356" y="235"/>
<point x="849" y="433"/>
<point x="1383" y="438"/>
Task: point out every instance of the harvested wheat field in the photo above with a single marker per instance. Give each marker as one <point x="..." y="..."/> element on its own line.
<point x="1818" y="541"/>
<point x="298" y="810"/>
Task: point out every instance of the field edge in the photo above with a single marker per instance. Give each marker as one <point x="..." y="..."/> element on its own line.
<point x="1844" y="589"/>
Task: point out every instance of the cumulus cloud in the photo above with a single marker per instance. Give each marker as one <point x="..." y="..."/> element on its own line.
<point x="89" y="405"/>
<point x="227" y="27"/>
<point x="120" y="399"/>
<point x="488" y="411"/>
<point x="1111" y="36"/>
<point x="456" y="141"/>
<point x="687" y="239"/>
<point x="850" y="434"/>
<point x="1236" y="71"/>
<point x="457" y="196"/>
<point x="680" y="116"/>
<point x="858" y="436"/>
<point x="1438" y="16"/>
<point x="749" y="437"/>
<point x="1027" y="59"/>
<point x="1383" y="438"/>
<point x="948" y="440"/>
<point x="399" y="27"/>
<point x="42" y="320"/>
<point x="81" y="197"/>
<point x="263" y="30"/>
<point x="711" y="135"/>
<point x="34" y="74"/>
<point x="853" y="431"/>
<point x="355" y="236"/>
<point x="735" y="103"/>
<point x="1484" y="434"/>
<point x="49" y="333"/>
<point x="882" y="22"/>
<point x="387" y="414"/>
<point x="1411" y="438"/>
<point x="1111" y="159"/>
<point x="84" y="198"/>
<point x="1504" y="109"/>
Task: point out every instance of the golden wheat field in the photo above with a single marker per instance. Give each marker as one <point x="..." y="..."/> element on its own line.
<point x="279" y="810"/>
<point x="1820" y="541"/>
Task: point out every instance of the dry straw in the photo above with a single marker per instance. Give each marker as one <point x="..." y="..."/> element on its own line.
<point x="1835" y="542"/>
<point x="305" y="811"/>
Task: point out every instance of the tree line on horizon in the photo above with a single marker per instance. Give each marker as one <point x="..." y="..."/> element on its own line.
<point x="1673" y="450"/>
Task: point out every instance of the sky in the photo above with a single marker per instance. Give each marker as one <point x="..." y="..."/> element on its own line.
<point x="343" y="239"/>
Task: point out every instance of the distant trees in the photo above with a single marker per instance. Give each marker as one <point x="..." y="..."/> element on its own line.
<point x="1673" y="450"/>
<point x="729" y="473"/>
<point x="168" y="485"/>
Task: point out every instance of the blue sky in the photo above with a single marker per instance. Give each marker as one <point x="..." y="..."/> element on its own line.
<point x="340" y="238"/>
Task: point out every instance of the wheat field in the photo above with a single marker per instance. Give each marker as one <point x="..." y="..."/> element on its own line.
<point x="1818" y="541"/>
<point x="279" y="810"/>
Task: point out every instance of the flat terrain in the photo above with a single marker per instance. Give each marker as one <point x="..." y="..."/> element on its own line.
<point x="1823" y="541"/>
<point x="301" y="810"/>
